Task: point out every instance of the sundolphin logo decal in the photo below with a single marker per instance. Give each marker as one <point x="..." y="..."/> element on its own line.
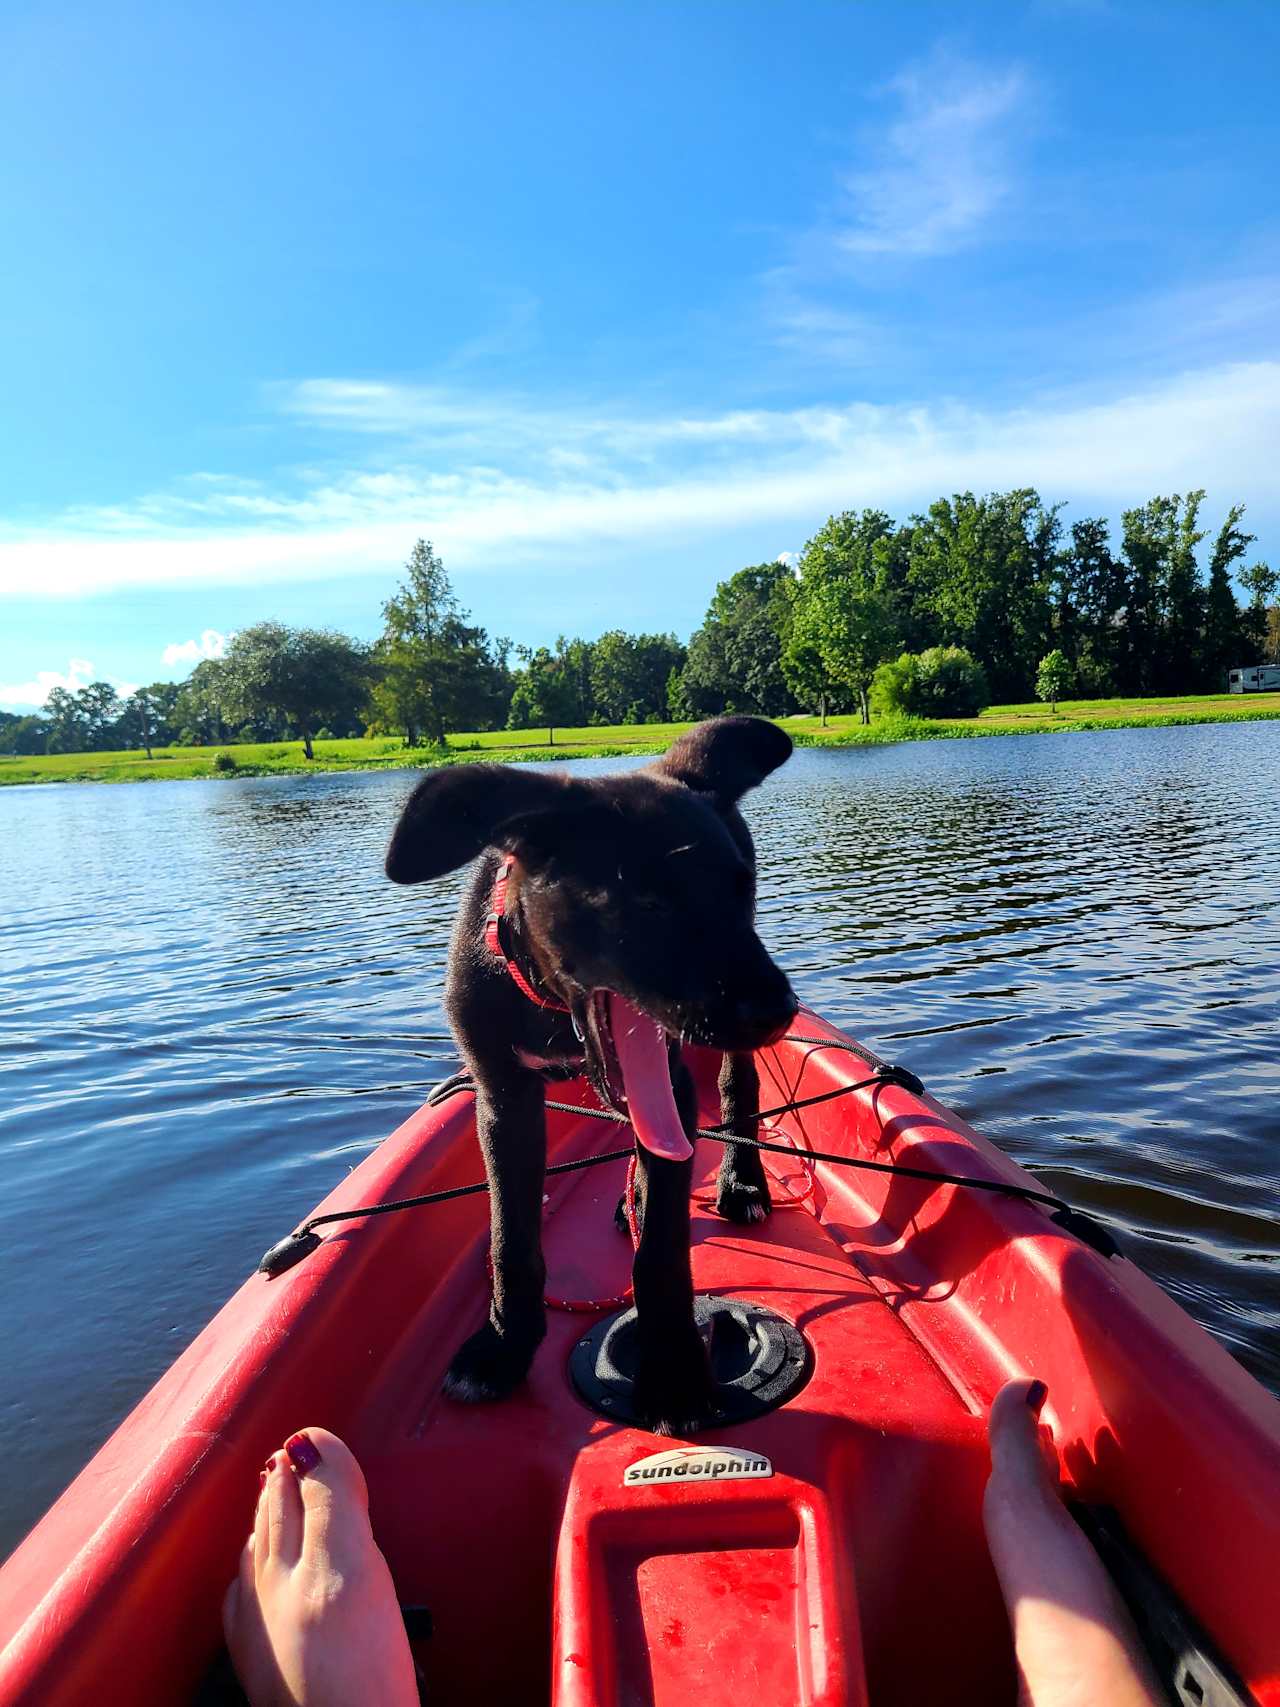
<point x="698" y="1464"/>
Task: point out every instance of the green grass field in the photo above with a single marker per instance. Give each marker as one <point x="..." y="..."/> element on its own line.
<point x="513" y="745"/>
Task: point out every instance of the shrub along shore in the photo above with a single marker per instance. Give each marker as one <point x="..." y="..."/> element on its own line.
<point x="514" y="746"/>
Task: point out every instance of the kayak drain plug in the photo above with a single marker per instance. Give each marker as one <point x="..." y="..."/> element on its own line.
<point x="288" y="1251"/>
<point x="757" y="1360"/>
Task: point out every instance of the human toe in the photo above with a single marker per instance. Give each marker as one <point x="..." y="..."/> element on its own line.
<point x="281" y="1502"/>
<point x="332" y="1487"/>
<point x="1022" y="1453"/>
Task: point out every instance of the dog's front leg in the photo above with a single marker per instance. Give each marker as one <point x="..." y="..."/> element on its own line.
<point x="511" y="1124"/>
<point x="742" y="1193"/>
<point x="672" y="1381"/>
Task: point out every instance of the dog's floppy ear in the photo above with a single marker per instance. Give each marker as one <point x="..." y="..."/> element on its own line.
<point x="454" y="813"/>
<point x="727" y="756"/>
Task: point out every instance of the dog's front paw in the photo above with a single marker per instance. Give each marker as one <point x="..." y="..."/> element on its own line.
<point x="489" y="1365"/>
<point x="741" y="1201"/>
<point x="672" y="1393"/>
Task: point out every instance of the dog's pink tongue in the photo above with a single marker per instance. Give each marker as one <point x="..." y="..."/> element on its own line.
<point x="641" y="1046"/>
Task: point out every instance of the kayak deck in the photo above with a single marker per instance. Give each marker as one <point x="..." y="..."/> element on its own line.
<point x="856" y="1571"/>
<point x="781" y="1588"/>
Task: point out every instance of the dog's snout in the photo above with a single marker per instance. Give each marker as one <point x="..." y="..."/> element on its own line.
<point x="765" y="1019"/>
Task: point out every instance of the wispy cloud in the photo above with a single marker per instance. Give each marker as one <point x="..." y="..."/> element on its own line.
<point x="943" y="167"/>
<point x="817" y="330"/>
<point x="927" y="178"/>
<point x="29" y="696"/>
<point x="211" y="644"/>
<point x="643" y="478"/>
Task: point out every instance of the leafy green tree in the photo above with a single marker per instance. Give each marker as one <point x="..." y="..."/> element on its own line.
<point x="136" y="722"/>
<point x="1223" y="642"/>
<point x="305" y="677"/>
<point x="984" y="571"/>
<point x="1145" y="547"/>
<point x="198" y="718"/>
<point x="83" y="721"/>
<point x="23" y="736"/>
<point x="99" y="710"/>
<point x="1152" y="540"/>
<point x="735" y="657"/>
<point x="1260" y="582"/>
<point x="840" y="624"/>
<point x="546" y="692"/>
<point x="1179" y="666"/>
<point x="436" y="671"/>
<point x="629" y="674"/>
<point x="803" y="660"/>
<point x="1093" y="584"/>
<point x="146" y="717"/>
<point x="1053" y="678"/>
<point x="65" y="720"/>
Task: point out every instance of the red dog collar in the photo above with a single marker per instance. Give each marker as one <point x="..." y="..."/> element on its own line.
<point x="495" y="938"/>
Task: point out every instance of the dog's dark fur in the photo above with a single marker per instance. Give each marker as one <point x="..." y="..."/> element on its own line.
<point x="643" y="884"/>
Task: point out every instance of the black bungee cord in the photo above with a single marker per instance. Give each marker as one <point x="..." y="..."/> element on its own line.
<point x="295" y="1246"/>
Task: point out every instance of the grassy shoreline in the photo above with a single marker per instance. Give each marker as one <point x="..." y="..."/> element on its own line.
<point x="282" y="758"/>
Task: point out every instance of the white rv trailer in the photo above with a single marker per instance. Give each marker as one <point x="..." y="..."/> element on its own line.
<point x="1259" y="678"/>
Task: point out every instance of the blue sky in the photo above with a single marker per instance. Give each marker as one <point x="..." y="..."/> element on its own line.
<point x="606" y="299"/>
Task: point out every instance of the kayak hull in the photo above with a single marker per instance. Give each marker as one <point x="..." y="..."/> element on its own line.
<point x="855" y="1571"/>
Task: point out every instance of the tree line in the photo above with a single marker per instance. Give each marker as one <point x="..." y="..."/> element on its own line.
<point x="984" y="598"/>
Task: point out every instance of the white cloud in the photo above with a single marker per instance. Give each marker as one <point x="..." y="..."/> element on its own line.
<point x="211" y="644"/>
<point x="656" y="478"/>
<point x="29" y="696"/>
<point x="943" y="168"/>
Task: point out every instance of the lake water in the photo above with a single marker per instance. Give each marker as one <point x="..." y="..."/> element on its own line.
<point x="212" y="1005"/>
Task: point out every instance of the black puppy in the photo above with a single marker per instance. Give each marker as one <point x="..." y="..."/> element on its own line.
<point x="611" y="920"/>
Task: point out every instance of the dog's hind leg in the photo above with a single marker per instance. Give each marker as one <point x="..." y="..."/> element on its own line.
<point x="742" y="1193"/>
<point x="511" y="1124"/>
<point x="672" y="1381"/>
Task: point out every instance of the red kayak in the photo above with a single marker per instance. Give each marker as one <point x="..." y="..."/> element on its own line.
<point x="826" y="1549"/>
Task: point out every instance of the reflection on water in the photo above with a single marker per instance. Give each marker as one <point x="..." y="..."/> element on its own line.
<point x="211" y="1005"/>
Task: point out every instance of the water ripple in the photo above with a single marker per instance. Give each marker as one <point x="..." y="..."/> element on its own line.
<point x="211" y="1005"/>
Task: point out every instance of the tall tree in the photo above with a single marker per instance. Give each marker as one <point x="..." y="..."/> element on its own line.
<point x="629" y="675"/>
<point x="1260" y="582"/>
<point x="198" y="716"/>
<point x="1096" y="591"/>
<point x="1148" y="537"/>
<point x="146" y="717"/>
<point x="546" y="692"/>
<point x="1181" y="640"/>
<point x="436" y="671"/>
<point x="66" y="722"/>
<point x="984" y="572"/>
<point x="99" y="709"/>
<point x="1223" y="641"/>
<point x="735" y="657"/>
<point x="841" y="620"/>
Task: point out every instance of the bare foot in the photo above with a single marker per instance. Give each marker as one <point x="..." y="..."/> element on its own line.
<point x="1072" y="1637"/>
<point x="311" y="1619"/>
